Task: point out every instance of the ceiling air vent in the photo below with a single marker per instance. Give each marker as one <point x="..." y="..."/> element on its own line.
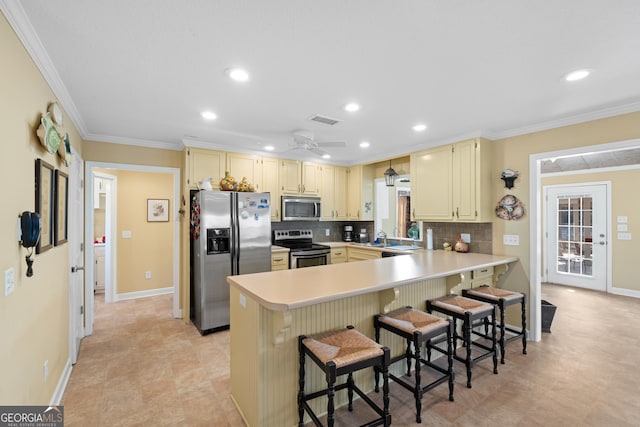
<point x="324" y="119"/>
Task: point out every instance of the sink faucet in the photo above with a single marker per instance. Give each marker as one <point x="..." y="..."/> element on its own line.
<point x="396" y="232"/>
<point x="382" y="234"/>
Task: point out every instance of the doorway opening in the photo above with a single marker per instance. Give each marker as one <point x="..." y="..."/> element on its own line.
<point x="126" y="240"/>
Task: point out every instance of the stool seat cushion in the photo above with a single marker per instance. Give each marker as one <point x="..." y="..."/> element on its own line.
<point x="461" y="305"/>
<point x="410" y="320"/>
<point x="342" y="347"/>
<point x="494" y="293"/>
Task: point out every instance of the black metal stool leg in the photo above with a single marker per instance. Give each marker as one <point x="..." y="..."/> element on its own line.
<point x="493" y="339"/>
<point x="385" y="388"/>
<point x="466" y="331"/>
<point x="450" y="351"/>
<point x="524" y="324"/>
<point x="301" y="384"/>
<point x="350" y="390"/>
<point x="502" y="326"/>
<point x="417" y="391"/>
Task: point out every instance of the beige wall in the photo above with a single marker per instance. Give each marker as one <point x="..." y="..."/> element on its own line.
<point x="150" y="247"/>
<point x="514" y="153"/>
<point x="34" y="319"/>
<point x="624" y="187"/>
<point x="131" y="154"/>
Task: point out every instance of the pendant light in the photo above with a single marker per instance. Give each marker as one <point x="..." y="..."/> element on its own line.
<point x="390" y="176"/>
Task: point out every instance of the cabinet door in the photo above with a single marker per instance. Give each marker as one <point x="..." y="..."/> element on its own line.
<point x="327" y="186"/>
<point x="431" y="187"/>
<point x="464" y="180"/>
<point x="99" y="272"/>
<point x="245" y="165"/>
<point x="310" y="183"/>
<point x="340" y="193"/>
<point x="205" y="163"/>
<point x="290" y="176"/>
<point x="271" y="184"/>
<point x="354" y="192"/>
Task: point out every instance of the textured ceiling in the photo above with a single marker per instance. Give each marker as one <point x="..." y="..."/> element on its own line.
<point x="142" y="71"/>
<point x="605" y="159"/>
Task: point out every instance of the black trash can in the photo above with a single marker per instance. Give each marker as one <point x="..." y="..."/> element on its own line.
<point x="548" y="311"/>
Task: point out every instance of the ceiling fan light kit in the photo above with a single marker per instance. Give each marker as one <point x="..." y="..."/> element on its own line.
<point x="305" y="140"/>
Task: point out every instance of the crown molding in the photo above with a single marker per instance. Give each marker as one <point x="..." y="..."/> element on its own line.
<point x="145" y="143"/>
<point x="575" y="119"/>
<point x="21" y="24"/>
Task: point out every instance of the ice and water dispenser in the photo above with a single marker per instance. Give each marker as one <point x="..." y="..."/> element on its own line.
<point x="218" y="240"/>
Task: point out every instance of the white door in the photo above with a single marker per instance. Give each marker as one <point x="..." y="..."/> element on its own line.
<point x="76" y="256"/>
<point x="576" y="228"/>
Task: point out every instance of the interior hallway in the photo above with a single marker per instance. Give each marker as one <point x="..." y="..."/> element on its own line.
<point x="142" y="367"/>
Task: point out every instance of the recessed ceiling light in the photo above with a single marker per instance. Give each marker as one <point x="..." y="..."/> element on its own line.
<point x="576" y="75"/>
<point x="209" y="115"/>
<point x="352" y="107"/>
<point x="364" y="144"/>
<point x="238" y="74"/>
<point x="269" y="147"/>
<point x="326" y="156"/>
<point x="420" y="127"/>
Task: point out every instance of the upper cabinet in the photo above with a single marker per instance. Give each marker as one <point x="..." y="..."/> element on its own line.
<point x="299" y="177"/>
<point x="271" y="184"/>
<point x="333" y="191"/>
<point x="360" y="193"/>
<point x="246" y="166"/>
<point x="202" y="164"/>
<point x="452" y="182"/>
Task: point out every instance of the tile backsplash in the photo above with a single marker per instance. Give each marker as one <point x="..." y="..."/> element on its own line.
<point x="481" y="234"/>
<point x="320" y="228"/>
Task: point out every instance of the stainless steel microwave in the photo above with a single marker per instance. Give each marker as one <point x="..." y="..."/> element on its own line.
<point x="296" y="208"/>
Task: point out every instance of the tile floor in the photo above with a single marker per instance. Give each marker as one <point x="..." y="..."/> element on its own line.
<point x="142" y="367"/>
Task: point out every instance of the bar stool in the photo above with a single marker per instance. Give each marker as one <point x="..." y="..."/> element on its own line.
<point x="502" y="298"/>
<point x="417" y="328"/>
<point x="469" y="311"/>
<point x="340" y="352"/>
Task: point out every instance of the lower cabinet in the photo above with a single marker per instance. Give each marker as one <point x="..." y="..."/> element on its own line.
<point x="98" y="254"/>
<point x="338" y="254"/>
<point x="279" y="261"/>
<point x="360" y="254"/>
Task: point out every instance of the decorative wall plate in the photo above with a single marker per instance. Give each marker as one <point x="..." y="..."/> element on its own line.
<point x="510" y="208"/>
<point x="48" y="134"/>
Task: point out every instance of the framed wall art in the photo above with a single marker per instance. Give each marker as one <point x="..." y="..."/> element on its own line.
<point x="157" y="210"/>
<point x="44" y="203"/>
<point x="61" y="205"/>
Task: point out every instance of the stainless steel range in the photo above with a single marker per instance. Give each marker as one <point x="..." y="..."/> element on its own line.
<point x="302" y="251"/>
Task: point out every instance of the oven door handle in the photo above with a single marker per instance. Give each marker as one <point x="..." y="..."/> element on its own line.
<point x="309" y="254"/>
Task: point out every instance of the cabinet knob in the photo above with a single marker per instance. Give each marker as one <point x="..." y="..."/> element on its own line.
<point x="457" y="213"/>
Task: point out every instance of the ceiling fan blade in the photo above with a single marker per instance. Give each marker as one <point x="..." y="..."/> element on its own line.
<point x="318" y="151"/>
<point x="332" y="144"/>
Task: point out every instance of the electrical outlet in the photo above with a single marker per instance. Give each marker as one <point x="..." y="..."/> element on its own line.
<point x="147" y="275"/>
<point x="466" y="237"/>
<point x="243" y="301"/>
<point x="511" y="239"/>
<point x="9" y="281"/>
<point x="45" y="370"/>
<point x="327" y="232"/>
<point x="126" y="234"/>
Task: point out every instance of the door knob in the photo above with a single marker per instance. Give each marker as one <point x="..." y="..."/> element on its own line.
<point x="602" y="243"/>
<point x="76" y="268"/>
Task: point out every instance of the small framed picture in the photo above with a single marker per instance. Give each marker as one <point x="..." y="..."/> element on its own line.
<point x="45" y="191"/>
<point x="157" y="210"/>
<point x="61" y="204"/>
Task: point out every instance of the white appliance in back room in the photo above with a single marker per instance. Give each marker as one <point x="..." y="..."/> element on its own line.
<point x="230" y="235"/>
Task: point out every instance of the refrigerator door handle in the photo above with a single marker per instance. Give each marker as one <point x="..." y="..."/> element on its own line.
<point x="235" y="246"/>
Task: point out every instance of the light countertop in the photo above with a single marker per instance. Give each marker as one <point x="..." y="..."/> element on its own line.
<point x="278" y="249"/>
<point x="289" y="289"/>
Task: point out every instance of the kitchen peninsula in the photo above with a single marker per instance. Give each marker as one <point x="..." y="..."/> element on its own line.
<point x="270" y="310"/>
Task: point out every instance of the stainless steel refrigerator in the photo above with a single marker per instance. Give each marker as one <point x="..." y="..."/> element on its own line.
<point x="231" y="235"/>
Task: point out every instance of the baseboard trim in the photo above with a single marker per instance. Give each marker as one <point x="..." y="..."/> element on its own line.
<point x="62" y="384"/>
<point x="625" y="292"/>
<point x="143" y="294"/>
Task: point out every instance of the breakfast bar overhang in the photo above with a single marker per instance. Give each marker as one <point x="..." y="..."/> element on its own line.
<point x="270" y="310"/>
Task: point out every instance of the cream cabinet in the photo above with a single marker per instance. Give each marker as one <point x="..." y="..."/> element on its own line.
<point x="99" y="191"/>
<point x="338" y="254"/>
<point x="246" y="166"/>
<point x="99" y="271"/>
<point x="452" y="182"/>
<point x="279" y="261"/>
<point x="361" y="254"/>
<point x="333" y="191"/>
<point x="202" y="163"/>
<point x="360" y="193"/>
<point x="299" y="177"/>
<point x="271" y="184"/>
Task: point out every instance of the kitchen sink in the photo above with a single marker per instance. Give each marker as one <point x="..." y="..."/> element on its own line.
<point x="372" y="245"/>
<point x="403" y="247"/>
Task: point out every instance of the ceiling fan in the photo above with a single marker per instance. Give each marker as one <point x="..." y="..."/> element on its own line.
<point x="305" y="140"/>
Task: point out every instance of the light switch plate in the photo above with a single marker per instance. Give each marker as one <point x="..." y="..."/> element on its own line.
<point x="9" y="281"/>
<point x="624" y="236"/>
<point x="623" y="227"/>
<point x="126" y="234"/>
<point x="511" y="239"/>
<point x="622" y="219"/>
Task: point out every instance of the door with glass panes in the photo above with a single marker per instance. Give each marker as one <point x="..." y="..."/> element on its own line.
<point x="576" y="235"/>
